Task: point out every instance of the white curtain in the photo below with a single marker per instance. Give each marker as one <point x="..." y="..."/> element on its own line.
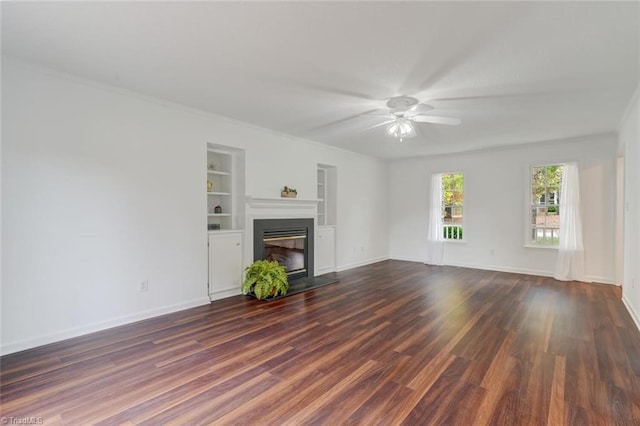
<point x="570" y="264"/>
<point x="435" y="237"/>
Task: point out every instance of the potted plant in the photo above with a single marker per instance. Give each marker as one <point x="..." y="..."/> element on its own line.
<point x="265" y="279"/>
<point x="289" y="192"/>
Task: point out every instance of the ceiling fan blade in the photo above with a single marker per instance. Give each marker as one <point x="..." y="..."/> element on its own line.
<point x="492" y="96"/>
<point x="380" y="112"/>
<point x="339" y="91"/>
<point x="378" y="125"/>
<point x="341" y="121"/>
<point x="436" y="120"/>
<point x="420" y="108"/>
<point x="333" y="123"/>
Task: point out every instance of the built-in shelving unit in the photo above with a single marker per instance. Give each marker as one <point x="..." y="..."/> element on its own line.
<point x="326" y="193"/>
<point x="326" y="231"/>
<point x="219" y="188"/>
<point x="322" y="196"/>
<point x="225" y="219"/>
<point x="225" y="186"/>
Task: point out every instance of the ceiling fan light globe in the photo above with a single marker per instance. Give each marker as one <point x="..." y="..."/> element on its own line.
<point x="406" y="128"/>
<point x="401" y="128"/>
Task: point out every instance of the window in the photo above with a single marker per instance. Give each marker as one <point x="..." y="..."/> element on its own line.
<point x="544" y="225"/>
<point x="452" y="205"/>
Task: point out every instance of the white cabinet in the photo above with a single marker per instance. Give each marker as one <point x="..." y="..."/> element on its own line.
<point x="225" y="264"/>
<point x="326" y="250"/>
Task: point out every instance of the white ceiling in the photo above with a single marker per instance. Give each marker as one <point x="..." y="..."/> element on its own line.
<point x="514" y="72"/>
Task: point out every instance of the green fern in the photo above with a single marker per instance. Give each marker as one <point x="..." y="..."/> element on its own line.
<point x="265" y="278"/>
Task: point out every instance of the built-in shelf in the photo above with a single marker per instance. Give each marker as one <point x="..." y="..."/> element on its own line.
<point x="322" y="194"/>
<point x="326" y="219"/>
<point x="326" y="193"/>
<point x="225" y="187"/>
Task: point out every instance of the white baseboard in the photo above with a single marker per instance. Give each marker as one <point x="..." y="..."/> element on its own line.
<point x="536" y="272"/>
<point x="325" y="270"/>
<point x="632" y="312"/>
<point x="21" y="345"/>
<point x="224" y="294"/>
<point x="363" y="263"/>
<point x="602" y="280"/>
<point x="409" y="259"/>
<point x="484" y="267"/>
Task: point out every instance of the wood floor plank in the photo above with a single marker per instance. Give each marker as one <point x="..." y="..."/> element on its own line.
<point x="392" y="343"/>
<point x="557" y="402"/>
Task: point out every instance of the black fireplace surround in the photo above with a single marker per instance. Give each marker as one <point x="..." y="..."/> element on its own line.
<point x="288" y="241"/>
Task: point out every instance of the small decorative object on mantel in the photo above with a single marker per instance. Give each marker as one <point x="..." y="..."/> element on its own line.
<point x="209" y="185"/>
<point x="212" y="167"/>
<point x="289" y="192"/>
<point x="217" y="209"/>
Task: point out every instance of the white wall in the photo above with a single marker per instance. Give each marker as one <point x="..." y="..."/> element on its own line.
<point x="102" y="188"/>
<point x="494" y="206"/>
<point x="629" y="133"/>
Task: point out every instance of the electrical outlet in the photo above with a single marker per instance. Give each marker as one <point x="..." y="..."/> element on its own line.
<point x="144" y="286"/>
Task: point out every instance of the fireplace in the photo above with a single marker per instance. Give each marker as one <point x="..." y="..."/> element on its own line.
<point x="287" y="241"/>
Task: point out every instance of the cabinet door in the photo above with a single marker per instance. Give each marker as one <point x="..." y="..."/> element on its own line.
<point x="326" y="258"/>
<point x="225" y="264"/>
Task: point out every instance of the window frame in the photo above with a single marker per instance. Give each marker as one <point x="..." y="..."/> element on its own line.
<point x="463" y="206"/>
<point x="529" y="205"/>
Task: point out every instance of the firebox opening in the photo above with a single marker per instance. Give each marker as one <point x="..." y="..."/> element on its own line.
<point x="287" y="251"/>
<point x="287" y="241"/>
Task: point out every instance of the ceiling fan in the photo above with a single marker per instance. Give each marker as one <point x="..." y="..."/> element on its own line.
<point x="406" y="110"/>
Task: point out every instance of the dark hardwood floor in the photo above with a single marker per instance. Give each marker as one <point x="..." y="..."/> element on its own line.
<point x="392" y="343"/>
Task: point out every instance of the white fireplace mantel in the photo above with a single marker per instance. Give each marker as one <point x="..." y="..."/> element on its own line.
<point x="276" y="208"/>
<point x="281" y="203"/>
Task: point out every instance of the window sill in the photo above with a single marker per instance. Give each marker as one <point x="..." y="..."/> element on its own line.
<point x="544" y="247"/>
<point x="456" y="241"/>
